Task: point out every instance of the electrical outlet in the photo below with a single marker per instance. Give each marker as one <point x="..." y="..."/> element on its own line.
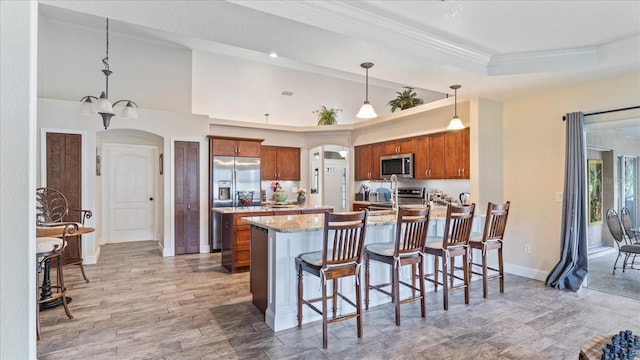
<point x="527" y="248"/>
<point x="559" y="196"/>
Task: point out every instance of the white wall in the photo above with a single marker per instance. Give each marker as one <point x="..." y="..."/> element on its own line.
<point x="154" y="75"/>
<point x="18" y="47"/>
<point x="534" y="140"/>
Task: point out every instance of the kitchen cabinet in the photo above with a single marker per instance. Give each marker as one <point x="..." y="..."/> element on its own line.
<point x="367" y="161"/>
<point x="360" y="207"/>
<point x="235" y="241"/>
<point x="400" y="146"/>
<point x="224" y="146"/>
<point x="279" y="163"/>
<point x="456" y="147"/>
<point x="430" y="157"/>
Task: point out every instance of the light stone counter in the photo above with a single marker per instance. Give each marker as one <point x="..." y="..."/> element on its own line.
<point x="268" y="208"/>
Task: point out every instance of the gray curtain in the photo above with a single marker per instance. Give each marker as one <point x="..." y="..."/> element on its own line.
<point x="573" y="267"/>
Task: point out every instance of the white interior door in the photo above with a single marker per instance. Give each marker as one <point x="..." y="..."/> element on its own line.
<point x="130" y="194"/>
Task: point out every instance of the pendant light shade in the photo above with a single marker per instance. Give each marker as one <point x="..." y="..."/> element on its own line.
<point x="366" y="110"/>
<point x="455" y="123"/>
<point x="102" y="106"/>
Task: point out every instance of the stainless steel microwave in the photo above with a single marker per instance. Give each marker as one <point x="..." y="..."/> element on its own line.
<point x="400" y="165"/>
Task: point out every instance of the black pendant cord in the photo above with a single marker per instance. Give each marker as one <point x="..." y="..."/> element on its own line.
<point x="608" y="111"/>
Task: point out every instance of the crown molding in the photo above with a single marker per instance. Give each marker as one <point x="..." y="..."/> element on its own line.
<point x="577" y="59"/>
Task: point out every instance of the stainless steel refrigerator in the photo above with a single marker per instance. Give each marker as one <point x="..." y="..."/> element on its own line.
<point x="233" y="176"/>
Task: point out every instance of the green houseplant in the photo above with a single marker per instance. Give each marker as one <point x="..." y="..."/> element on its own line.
<point x="327" y="116"/>
<point x="405" y="100"/>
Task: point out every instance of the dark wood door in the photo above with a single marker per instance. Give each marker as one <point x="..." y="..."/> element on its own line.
<point x="187" y="197"/>
<point x="64" y="173"/>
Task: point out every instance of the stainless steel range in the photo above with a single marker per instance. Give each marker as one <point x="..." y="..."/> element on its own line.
<point x="406" y="196"/>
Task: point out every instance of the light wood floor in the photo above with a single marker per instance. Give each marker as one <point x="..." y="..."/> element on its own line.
<point x="139" y="305"/>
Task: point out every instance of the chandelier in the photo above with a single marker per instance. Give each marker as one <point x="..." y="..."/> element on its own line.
<point x="102" y="105"/>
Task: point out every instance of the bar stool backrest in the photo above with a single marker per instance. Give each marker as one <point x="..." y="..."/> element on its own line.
<point x="344" y="235"/>
<point x="457" y="228"/>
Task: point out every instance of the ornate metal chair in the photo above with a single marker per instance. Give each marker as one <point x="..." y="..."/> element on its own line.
<point x="341" y="256"/>
<point x="624" y="248"/>
<point x="52" y="208"/>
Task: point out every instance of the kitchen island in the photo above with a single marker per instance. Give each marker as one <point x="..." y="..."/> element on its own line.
<point x="234" y="233"/>
<point x="277" y="240"/>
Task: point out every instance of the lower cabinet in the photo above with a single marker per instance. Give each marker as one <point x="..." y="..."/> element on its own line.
<point x="360" y="207"/>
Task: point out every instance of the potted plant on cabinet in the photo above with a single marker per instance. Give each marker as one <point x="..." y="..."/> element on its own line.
<point x="405" y="100"/>
<point x="327" y="116"/>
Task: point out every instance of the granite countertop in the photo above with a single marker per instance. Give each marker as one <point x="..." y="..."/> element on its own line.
<point x="268" y="208"/>
<point x="307" y="222"/>
<point x="313" y="222"/>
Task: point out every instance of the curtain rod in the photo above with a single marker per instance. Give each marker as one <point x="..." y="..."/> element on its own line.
<point x="564" y="117"/>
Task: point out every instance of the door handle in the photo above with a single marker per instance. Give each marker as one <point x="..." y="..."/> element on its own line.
<point x="189" y="207"/>
<point x="150" y="199"/>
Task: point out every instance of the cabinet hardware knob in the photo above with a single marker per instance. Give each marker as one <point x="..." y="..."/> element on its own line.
<point x="150" y="199"/>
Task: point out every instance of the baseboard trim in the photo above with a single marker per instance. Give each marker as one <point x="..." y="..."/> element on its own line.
<point x="524" y="271"/>
<point x="93" y="259"/>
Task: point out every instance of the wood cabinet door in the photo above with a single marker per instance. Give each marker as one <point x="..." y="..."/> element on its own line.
<point x="248" y="148"/>
<point x="422" y="161"/>
<point x="362" y="162"/>
<point x="437" y="155"/>
<point x="406" y="146"/>
<point x="187" y="197"/>
<point x="288" y="163"/>
<point x="224" y="147"/>
<point x="457" y="152"/>
<point x="376" y="153"/>
<point x="268" y="161"/>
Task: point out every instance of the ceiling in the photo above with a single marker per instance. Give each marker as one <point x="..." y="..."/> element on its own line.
<point x="499" y="50"/>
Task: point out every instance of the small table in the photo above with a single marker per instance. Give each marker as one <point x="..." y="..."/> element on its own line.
<point x="54" y="231"/>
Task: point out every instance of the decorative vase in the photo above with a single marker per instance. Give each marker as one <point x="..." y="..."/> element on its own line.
<point x="280" y="196"/>
<point x="301" y="200"/>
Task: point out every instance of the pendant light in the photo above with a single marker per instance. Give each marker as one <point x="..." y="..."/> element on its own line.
<point x="103" y="106"/>
<point x="366" y="111"/>
<point x="455" y="123"/>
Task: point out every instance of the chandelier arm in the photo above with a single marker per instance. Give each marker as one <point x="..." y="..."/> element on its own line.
<point x="88" y="97"/>
<point x="129" y="101"/>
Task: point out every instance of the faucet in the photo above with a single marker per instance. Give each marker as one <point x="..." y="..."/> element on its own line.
<point x="394" y="188"/>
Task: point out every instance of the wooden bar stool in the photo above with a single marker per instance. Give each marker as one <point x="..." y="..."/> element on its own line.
<point x="406" y="249"/>
<point x="492" y="239"/>
<point x="455" y="242"/>
<point x="341" y="256"/>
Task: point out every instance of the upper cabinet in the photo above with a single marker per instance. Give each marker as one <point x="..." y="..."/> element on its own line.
<point x="456" y="145"/>
<point x="280" y="163"/>
<point x="401" y="146"/>
<point x="235" y="147"/>
<point x="430" y="157"/>
<point x="367" y="161"/>
<point x="442" y="155"/>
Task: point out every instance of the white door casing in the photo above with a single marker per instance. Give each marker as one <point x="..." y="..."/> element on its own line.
<point x="129" y="192"/>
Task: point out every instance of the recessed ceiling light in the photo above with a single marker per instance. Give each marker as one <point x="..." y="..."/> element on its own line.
<point x="287" y="93"/>
<point x="273" y="55"/>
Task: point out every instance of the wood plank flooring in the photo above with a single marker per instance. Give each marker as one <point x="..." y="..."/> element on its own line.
<point x="139" y="305"/>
